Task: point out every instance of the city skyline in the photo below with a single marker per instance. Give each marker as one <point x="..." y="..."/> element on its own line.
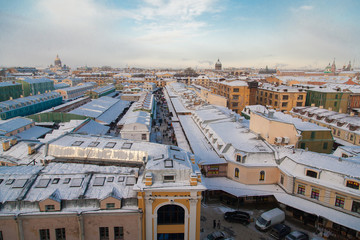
<point x="179" y="34"/>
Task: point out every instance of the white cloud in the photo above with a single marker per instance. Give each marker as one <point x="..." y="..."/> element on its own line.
<point x="306" y="7"/>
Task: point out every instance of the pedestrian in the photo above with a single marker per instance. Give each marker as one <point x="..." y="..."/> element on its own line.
<point x="218" y="224"/>
<point x="214" y="225"/>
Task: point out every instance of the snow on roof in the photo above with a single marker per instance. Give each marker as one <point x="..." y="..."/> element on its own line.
<point x="180" y="136"/>
<point x="19" y="153"/>
<point x="239" y="189"/>
<point x="13" y="124"/>
<point x="237" y="83"/>
<point x="319" y="210"/>
<point x="323" y="161"/>
<point x="5" y="84"/>
<point x="104" y="109"/>
<point x="178" y="105"/>
<point x="92" y="127"/>
<point x="33" y="133"/>
<point x="199" y="143"/>
<point x="36" y="80"/>
<point x="74" y="181"/>
<point x="280" y="88"/>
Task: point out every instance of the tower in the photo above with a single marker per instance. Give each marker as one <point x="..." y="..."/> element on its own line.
<point x="218" y="65"/>
<point x="57" y="61"/>
<point x="333" y="67"/>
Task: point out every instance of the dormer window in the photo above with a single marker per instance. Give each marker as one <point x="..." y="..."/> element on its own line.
<point x="240" y="158"/>
<point x="312" y="173"/>
<point x="49" y="208"/>
<point x="169" y="178"/>
<point x="110" y="205"/>
<point x="352" y="184"/>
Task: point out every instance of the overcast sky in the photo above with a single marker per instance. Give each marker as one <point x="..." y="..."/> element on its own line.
<point x="180" y="33"/>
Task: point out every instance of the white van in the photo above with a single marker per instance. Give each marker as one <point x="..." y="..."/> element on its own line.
<point x="270" y="218"/>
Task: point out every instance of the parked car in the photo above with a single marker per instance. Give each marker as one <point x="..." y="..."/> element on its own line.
<point x="270" y="218"/>
<point x="237" y="216"/>
<point x="297" y="235"/>
<point x="279" y="231"/>
<point x="218" y="235"/>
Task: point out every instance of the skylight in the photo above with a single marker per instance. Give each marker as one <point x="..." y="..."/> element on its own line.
<point x="168" y="163"/>
<point x="110" y="145"/>
<point x="99" y="181"/>
<point x="66" y="180"/>
<point x="19" y="183"/>
<point x="126" y="146"/>
<point x="130" y="181"/>
<point x="9" y="181"/>
<point x="121" y="179"/>
<point x="76" y="182"/>
<point x="110" y="179"/>
<point x="77" y="143"/>
<point x="93" y="144"/>
<point x="55" y="181"/>
<point x="43" y="183"/>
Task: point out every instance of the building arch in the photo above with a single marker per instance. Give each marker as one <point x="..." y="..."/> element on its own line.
<point x="186" y="216"/>
<point x="262" y="176"/>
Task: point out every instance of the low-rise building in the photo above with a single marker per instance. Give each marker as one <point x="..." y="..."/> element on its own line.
<point x="10" y="90"/>
<point x="282" y="129"/>
<point x="328" y="98"/>
<point x="29" y="105"/>
<point x="36" y="86"/>
<point x="344" y="127"/>
<point x="100" y="91"/>
<point x="75" y="92"/>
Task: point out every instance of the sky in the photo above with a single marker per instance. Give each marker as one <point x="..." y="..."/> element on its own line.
<point x="284" y="34"/>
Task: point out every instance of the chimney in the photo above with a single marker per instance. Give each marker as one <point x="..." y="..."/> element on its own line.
<point x="6" y="145"/>
<point x="13" y="141"/>
<point x="193" y="179"/>
<point x="148" y="179"/>
<point x="31" y="148"/>
<point x="271" y="113"/>
<point x="192" y="158"/>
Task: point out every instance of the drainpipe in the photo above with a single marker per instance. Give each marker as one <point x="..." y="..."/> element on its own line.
<point x="19" y="227"/>
<point x="81" y="226"/>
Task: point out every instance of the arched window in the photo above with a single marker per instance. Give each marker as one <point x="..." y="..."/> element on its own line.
<point x="236" y="172"/>
<point x="262" y="176"/>
<point x="170" y="214"/>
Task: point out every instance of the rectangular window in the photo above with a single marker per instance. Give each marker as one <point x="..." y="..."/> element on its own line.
<point x="282" y="179"/>
<point x="275" y="104"/>
<point x="301" y="189"/>
<point x="104" y="233"/>
<point x="110" y="205"/>
<point x="352" y="184"/>
<point x="299" y="104"/>
<point x="235" y="90"/>
<point x="235" y="104"/>
<point x="169" y="178"/>
<point x="44" y="234"/>
<point x="300" y="97"/>
<point x="276" y="96"/>
<point x="236" y="97"/>
<point x="238" y="158"/>
<point x="118" y="233"/>
<point x="325" y="145"/>
<point x="311" y="173"/>
<point x="355" y="207"/>
<point x="335" y="104"/>
<point x="315" y="193"/>
<point x="1" y="236"/>
<point x="303" y="145"/>
<point x="284" y="104"/>
<point x="143" y="136"/>
<point x="313" y="134"/>
<point x="339" y="201"/>
<point x="285" y="97"/>
<point x="60" y="234"/>
<point x="49" y="208"/>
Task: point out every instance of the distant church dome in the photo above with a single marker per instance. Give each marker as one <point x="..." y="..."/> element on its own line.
<point x="218" y="65"/>
<point x="57" y="61"/>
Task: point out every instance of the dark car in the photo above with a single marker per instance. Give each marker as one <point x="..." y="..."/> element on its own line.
<point x="237" y="216"/>
<point x="279" y="231"/>
<point x="297" y="235"/>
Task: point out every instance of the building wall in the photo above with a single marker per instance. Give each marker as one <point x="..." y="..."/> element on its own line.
<point x="251" y="175"/>
<point x="10" y="92"/>
<point x="283" y="101"/>
<point x="316" y="144"/>
<point x="336" y="101"/>
<point x="269" y="130"/>
<point x="211" y="98"/>
<point x="237" y="96"/>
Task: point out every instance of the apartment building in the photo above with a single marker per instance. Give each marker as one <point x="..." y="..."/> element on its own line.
<point x="280" y="97"/>
<point x="238" y="93"/>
